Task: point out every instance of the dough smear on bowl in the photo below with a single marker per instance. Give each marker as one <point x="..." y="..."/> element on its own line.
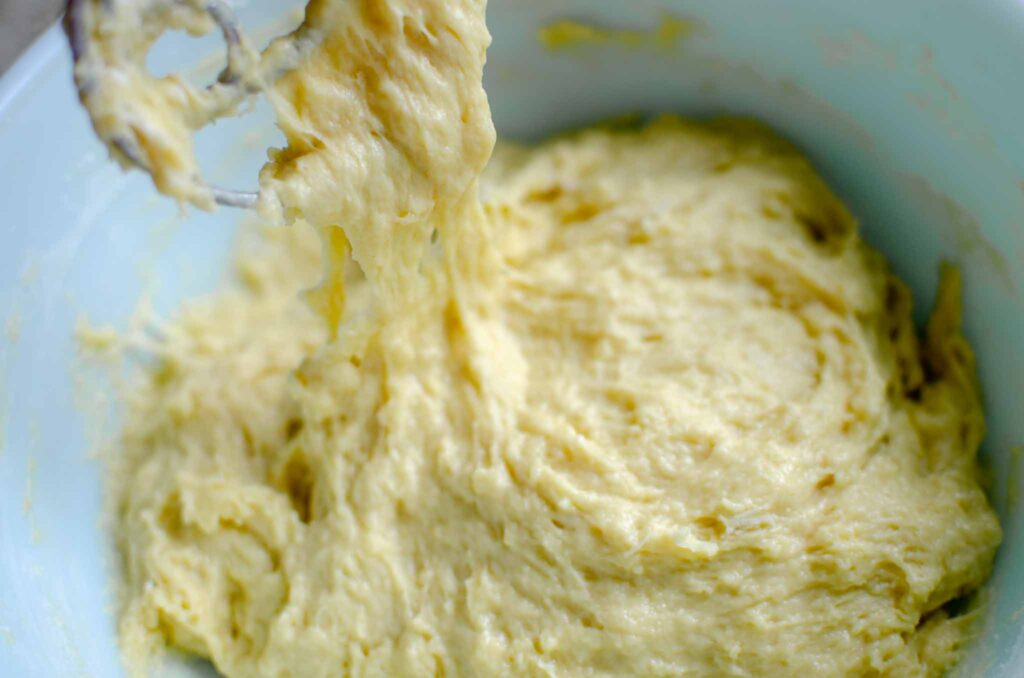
<point x="635" y="402"/>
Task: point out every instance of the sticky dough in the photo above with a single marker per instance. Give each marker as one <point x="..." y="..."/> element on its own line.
<point x="643" y="404"/>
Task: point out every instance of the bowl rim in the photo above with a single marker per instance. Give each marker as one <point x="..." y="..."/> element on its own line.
<point x="36" y="58"/>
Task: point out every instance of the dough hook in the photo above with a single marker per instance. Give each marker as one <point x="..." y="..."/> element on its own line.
<point x="110" y="39"/>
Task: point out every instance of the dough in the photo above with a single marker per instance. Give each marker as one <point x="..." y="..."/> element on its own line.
<point x="568" y="34"/>
<point x="646" y="405"/>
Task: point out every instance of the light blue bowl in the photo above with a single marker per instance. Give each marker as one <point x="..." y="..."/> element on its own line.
<point x="912" y="110"/>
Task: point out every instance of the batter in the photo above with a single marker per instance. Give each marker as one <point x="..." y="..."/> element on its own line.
<point x="643" y="404"/>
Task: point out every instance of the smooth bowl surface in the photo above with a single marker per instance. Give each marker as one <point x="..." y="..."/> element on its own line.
<point x="911" y="110"/>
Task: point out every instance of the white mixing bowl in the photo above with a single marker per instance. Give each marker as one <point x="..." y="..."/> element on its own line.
<point x="912" y="109"/>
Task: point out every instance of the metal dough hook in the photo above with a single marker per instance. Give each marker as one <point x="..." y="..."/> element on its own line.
<point x="87" y="22"/>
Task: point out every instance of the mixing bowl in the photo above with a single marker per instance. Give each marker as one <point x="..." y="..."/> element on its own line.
<point x="911" y="109"/>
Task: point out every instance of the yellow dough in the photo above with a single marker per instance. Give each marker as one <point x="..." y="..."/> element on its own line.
<point x="645" y="405"/>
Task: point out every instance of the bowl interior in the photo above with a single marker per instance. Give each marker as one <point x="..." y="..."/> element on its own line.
<point x="909" y="109"/>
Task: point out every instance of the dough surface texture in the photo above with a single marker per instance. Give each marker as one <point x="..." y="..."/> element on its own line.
<point x="638" y="401"/>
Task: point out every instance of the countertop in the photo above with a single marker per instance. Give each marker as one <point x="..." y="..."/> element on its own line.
<point x="21" y="21"/>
